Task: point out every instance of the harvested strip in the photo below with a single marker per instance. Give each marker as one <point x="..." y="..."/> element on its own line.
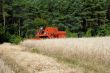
<point x="13" y="65"/>
<point x="8" y="46"/>
<point x="34" y="63"/>
<point x="4" y="68"/>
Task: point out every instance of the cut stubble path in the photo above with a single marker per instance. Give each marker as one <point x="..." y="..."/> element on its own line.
<point x="16" y="60"/>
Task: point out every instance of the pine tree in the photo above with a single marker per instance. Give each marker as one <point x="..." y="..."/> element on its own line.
<point x="108" y="12"/>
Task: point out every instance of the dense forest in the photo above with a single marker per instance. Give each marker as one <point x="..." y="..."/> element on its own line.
<point x="21" y="18"/>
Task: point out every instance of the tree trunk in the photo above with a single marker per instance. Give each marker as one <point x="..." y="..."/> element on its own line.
<point x="4" y="22"/>
<point x="19" y="27"/>
<point x="4" y="17"/>
<point x="108" y="12"/>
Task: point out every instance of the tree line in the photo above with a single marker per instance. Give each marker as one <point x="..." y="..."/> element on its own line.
<point x="21" y="18"/>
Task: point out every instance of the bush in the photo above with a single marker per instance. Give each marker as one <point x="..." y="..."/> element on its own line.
<point x="15" y="39"/>
<point x="89" y="32"/>
<point x="104" y="30"/>
<point x="70" y="34"/>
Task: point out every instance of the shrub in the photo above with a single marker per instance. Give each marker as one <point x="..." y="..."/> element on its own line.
<point x="89" y="32"/>
<point x="15" y="39"/>
<point x="69" y="34"/>
<point x="104" y="30"/>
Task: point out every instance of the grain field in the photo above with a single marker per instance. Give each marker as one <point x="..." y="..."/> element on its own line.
<point x="93" y="54"/>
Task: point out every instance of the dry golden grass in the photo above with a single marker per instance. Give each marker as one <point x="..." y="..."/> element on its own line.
<point x="4" y="68"/>
<point x="95" y="52"/>
<point x="90" y="55"/>
<point x="89" y="48"/>
<point x="26" y="62"/>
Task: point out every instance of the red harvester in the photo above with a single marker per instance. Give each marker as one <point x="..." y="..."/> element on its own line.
<point x="50" y="32"/>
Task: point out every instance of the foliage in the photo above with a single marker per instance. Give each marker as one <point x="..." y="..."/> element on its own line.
<point x="15" y="39"/>
<point x="89" y="32"/>
<point x="104" y="30"/>
<point x="40" y="22"/>
<point x="23" y="17"/>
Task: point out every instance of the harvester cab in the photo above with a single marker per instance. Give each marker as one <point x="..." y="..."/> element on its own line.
<point x="41" y="30"/>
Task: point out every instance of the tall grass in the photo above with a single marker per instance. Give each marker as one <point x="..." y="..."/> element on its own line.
<point x="4" y="68"/>
<point x="93" y="51"/>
